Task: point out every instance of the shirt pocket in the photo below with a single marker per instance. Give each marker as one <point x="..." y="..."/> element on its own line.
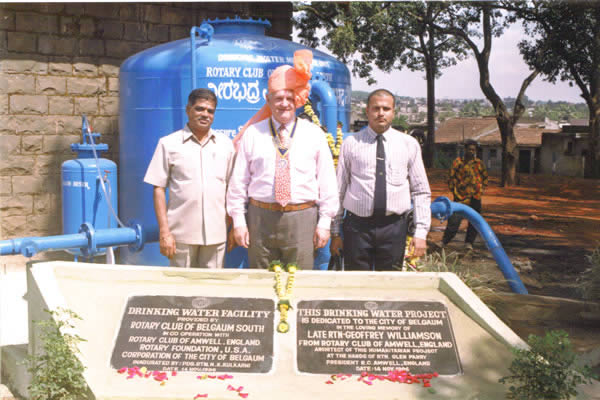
<point x="218" y="164"/>
<point x="182" y="168"/>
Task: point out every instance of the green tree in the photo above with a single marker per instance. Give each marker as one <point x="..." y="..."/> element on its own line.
<point x="471" y="109"/>
<point x="470" y="22"/>
<point x="568" y="35"/>
<point x="511" y="101"/>
<point x="560" y="111"/>
<point x="402" y="122"/>
<point x="541" y="111"/>
<point x="389" y="35"/>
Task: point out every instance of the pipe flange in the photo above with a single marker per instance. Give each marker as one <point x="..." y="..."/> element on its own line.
<point x="444" y="214"/>
<point x="205" y="31"/>
<point x="90" y="233"/>
<point x="139" y="237"/>
<point x="29" y="248"/>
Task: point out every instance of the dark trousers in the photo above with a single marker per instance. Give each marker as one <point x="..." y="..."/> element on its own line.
<point x="374" y="243"/>
<point x="454" y="223"/>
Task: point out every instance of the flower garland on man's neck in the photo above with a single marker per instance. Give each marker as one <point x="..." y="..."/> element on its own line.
<point x="283" y="305"/>
<point x="335" y="145"/>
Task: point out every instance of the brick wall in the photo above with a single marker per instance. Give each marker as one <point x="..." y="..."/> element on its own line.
<point x="58" y="61"/>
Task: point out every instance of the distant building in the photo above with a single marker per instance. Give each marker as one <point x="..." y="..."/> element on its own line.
<point x="452" y="133"/>
<point x="563" y="152"/>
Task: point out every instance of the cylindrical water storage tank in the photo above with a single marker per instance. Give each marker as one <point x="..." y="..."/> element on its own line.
<point x="234" y="58"/>
<point x="83" y="199"/>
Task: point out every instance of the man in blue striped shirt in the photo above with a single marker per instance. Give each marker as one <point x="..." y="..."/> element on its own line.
<point x="380" y="176"/>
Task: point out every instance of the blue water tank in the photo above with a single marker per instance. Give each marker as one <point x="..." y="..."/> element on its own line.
<point x="234" y="58"/>
<point x="83" y="199"/>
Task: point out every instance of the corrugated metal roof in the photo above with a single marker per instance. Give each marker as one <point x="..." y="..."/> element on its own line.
<point x="485" y="131"/>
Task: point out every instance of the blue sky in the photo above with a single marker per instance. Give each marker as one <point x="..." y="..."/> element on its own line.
<point x="507" y="69"/>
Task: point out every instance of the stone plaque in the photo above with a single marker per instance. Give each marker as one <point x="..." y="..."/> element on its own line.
<point x="348" y="336"/>
<point x="210" y="334"/>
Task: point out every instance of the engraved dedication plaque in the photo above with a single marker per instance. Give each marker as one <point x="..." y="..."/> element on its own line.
<point x="348" y="336"/>
<point x="210" y="334"/>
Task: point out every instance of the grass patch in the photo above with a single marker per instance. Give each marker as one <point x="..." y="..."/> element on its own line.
<point x="481" y="285"/>
<point x="589" y="281"/>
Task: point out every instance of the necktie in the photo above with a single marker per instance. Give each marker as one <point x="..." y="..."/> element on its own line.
<point x="284" y="137"/>
<point x="379" y="199"/>
<point x="282" y="169"/>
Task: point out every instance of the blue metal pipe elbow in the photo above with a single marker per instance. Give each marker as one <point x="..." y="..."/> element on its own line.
<point x="442" y="208"/>
<point x="328" y="104"/>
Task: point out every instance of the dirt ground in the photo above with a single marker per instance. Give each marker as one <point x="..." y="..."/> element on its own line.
<point x="547" y="226"/>
<point x="547" y="222"/>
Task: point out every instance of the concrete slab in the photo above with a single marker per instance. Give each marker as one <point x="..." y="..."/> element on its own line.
<point x="14" y="371"/>
<point x="13" y="307"/>
<point x="101" y="295"/>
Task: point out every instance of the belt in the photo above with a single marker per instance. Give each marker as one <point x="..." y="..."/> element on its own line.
<point x="280" y="208"/>
<point x="378" y="220"/>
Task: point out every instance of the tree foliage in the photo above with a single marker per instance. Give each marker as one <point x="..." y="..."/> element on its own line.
<point x="389" y="35"/>
<point x="401" y="121"/>
<point x="475" y="108"/>
<point x="567" y="34"/>
<point x="367" y="34"/>
<point x="481" y="22"/>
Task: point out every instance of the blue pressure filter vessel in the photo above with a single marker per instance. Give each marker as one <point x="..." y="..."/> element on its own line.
<point x="83" y="199"/>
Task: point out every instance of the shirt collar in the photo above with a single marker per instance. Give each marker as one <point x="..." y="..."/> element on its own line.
<point x="288" y="126"/>
<point x="372" y="135"/>
<point x="188" y="134"/>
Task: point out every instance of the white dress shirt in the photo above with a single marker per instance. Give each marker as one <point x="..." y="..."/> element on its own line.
<point x="312" y="174"/>
<point x="405" y="177"/>
<point x="196" y="175"/>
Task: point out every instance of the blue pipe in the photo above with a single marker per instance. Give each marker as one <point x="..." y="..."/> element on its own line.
<point x="88" y="240"/>
<point x="328" y="105"/>
<point x="442" y="208"/>
<point x="206" y="31"/>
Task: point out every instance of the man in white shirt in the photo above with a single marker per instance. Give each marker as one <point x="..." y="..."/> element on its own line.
<point x="380" y="172"/>
<point x="285" y="177"/>
<point x="195" y="164"/>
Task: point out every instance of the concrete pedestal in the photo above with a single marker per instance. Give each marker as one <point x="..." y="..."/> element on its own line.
<point x="100" y="295"/>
